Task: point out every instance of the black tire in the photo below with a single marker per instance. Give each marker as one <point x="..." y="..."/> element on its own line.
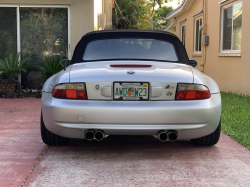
<point x="50" y="138"/>
<point x="208" y="140"/>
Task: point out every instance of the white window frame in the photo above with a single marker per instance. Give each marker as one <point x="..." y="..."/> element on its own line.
<point x="183" y="25"/>
<point x="198" y="18"/>
<point x="222" y="29"/>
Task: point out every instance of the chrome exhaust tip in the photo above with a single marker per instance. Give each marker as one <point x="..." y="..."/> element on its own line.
<point x="89" y="135"/>
<point x="172" y="135"/>
<point x="162" y="135"/>
<point x="99" y="135"/>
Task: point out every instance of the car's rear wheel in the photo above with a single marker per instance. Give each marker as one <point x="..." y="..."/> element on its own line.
<point x="51" y="138"/>
<point x="210" y="139"/>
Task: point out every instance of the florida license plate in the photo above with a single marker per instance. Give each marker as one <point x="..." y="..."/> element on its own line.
<point x="131" y="91"/>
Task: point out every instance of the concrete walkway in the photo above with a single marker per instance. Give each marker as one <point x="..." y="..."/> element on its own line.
<point x="115" y="161"/>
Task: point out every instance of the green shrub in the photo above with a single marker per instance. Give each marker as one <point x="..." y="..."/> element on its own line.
<point x="39" y="91"/>
<point x="10" y="88"/>
<point x="50" y="66"/>
<point x="10" y="69"/>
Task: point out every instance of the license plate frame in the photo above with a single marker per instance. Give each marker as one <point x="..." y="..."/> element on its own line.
<point x="130" y="98"/>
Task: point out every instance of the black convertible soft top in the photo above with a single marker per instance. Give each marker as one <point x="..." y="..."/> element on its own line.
<point x="145" y="34"/>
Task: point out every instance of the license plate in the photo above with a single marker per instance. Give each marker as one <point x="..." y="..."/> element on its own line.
<point x="131" y="90"/>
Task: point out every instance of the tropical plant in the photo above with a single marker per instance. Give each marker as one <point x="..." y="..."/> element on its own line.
<point x="140" y="14"/>
<point x="11" y="67"/>
<point x="50" y="66"/>
<point x="160" y="20"/>
<point x="131" y="14"/>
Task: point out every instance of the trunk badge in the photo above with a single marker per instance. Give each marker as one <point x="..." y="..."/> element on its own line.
<point x="169" y="87"/>
<point x="169" y="93"/>
<point x="131" y="72"/>
<point x="97" y="87"/>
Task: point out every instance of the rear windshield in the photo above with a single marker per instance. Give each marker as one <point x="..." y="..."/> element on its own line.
<point x="130" y="48"/>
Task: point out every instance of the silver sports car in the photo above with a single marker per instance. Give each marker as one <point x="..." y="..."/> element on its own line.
<point x="128" y="82"/>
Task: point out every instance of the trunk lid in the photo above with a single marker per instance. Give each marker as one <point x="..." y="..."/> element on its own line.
<point x="161" y="76"/>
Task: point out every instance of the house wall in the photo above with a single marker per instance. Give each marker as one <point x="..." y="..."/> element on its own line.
<point x="84" y="14"/>
<point x="231" y="73"/>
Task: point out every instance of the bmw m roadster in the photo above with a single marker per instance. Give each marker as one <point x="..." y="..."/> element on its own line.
<point x="130" y="82"/>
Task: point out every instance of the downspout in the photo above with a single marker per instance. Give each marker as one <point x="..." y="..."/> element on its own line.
<point x="204" y="56"/>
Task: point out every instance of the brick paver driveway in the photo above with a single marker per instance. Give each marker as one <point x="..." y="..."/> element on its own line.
<point x="116" y="161"/>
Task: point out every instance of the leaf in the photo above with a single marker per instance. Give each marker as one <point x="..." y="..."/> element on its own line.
<point x="50" y="66"/>
<point x="11" y="66"/>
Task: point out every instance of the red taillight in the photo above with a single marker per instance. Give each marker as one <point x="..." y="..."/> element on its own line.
<point x="71" y="94"/>
<point x="81" y="94"/>
<point x="130" y="66"/>
<point x="203" y="94"/>
<point x="57" y="93"/>
<point x="192" y="92"/>
<point x="70" y="91"/>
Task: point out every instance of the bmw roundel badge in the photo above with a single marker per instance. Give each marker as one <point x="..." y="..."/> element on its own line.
<point x="131" y="72"/>
<point x="97" y="87"/>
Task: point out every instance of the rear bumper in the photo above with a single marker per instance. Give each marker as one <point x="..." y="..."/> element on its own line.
<point x="191" y="119"/>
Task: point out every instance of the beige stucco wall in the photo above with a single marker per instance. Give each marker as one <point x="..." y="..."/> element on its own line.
<point x="83" y="17"/>
<point x="231" y="73"/>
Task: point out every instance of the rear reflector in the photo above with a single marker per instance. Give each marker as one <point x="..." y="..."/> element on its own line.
<point x="70" y="91"/>
<point x="192" y="92"/>
<point x="130" y="66"/>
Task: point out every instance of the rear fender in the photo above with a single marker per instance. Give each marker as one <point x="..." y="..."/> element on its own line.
<point x="201" y="78"/>
<point x="60" y="77"/>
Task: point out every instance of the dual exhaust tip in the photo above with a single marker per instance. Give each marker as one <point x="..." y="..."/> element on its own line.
<point x="94" y="135"/>
<point x="162" y="135"/>
<point x="169" y="135"/>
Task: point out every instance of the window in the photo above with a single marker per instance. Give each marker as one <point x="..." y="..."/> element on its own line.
<point x="43" y="32"/>
<point x="231" y="27"/>
<point x="183" y="34"/>
<point x="130" y="48"/>
<point x="8" y="31"/>
<point x="197" y="37"/>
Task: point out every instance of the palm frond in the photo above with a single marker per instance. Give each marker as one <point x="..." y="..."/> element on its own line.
<point x="50" y="66"/>
<point x="11" y="66"/>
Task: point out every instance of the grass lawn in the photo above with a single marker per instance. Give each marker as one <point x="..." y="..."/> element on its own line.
<point x="235" y="119"/>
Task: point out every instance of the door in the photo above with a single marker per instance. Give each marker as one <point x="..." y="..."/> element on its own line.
<point x="44" y="33"/>
<point x="39" y="31"/>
